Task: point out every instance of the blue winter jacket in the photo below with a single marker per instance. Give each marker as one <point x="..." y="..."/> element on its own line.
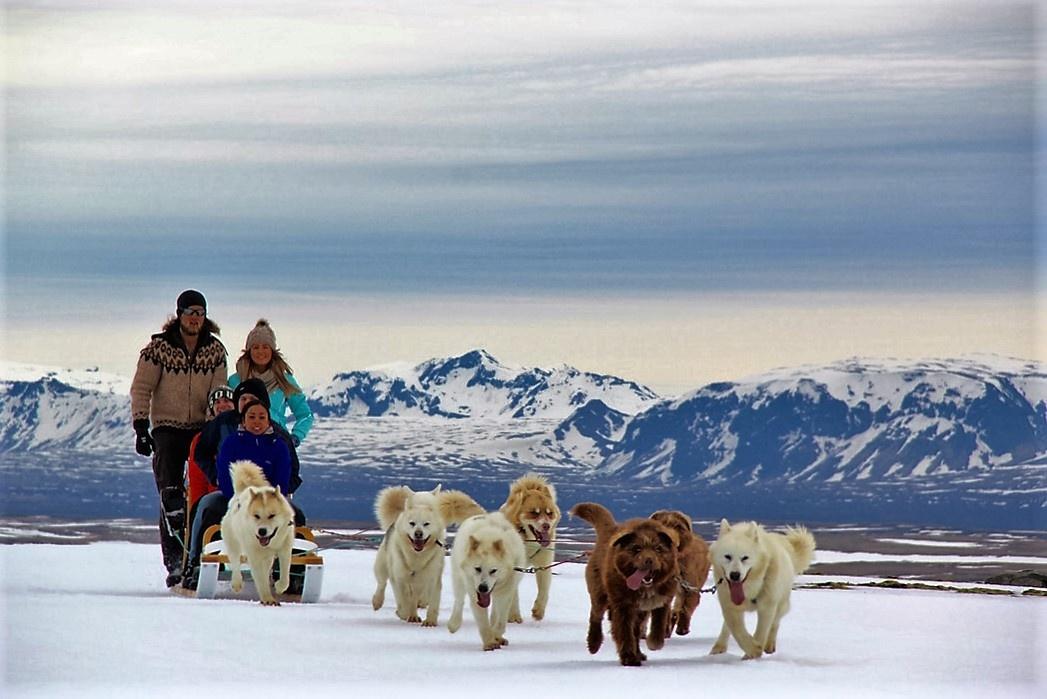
<point x="267" y="450"/>
<point x="278" y="404"/>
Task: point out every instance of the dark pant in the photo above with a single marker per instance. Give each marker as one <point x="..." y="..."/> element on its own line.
<point x="170" y="452"/>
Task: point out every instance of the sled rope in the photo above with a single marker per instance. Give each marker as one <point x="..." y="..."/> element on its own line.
<point x="688" y="587"/>
<point x="534" y="569"/>
<point x="355" y="536"/>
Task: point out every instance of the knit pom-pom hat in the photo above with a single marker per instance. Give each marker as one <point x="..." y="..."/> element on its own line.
<point x="262" y="334"/>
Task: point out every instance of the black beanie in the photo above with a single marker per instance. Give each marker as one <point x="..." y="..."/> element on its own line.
<point x="190" y="297"/>
<point x="254" y="387"/>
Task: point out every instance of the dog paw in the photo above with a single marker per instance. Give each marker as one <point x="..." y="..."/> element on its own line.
<point x="493" y="645"/>
<point x="377" y="601"/>
<point x="428" y="623"/>
<point x="282" y="585"/>
<point x="631" y="660"/>
<point x="413" y="619"/>
<point x="753" y="654"/>
<point x="515" y="619"/>
<point x="769" y="649"/>
<point x="717" y="649"/>
<point x="237" y="584"/>
<point x="593" y="642"/>
<point x="655" y="641"/>
<point x="270" y="603"/>
<point x="502" y="641"/>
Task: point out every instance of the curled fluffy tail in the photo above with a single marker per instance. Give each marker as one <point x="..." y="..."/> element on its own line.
<point x="456" y="507"/>
<point x="389" y="503"/>
<point x="801" y="547"/>
<point x="598" y="516"/>
<point x="246" y="474"/>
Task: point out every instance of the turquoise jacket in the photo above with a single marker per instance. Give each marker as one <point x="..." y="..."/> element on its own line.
<point x="279" y="403"/>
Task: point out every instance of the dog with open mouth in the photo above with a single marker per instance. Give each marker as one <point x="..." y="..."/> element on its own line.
<point x="485" y="568"/>
<point x="258" y="526"/>
<point x="531" y="508"/>
<point x="754" y="571"/>
<point x="632" y="572"/>
<point x="411" y="556"/>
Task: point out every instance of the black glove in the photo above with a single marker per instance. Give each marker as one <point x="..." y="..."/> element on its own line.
<point x="143" y="442"/>
<point x="295" y="441"/>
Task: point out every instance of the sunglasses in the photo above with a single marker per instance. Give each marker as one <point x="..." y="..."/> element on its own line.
<point x="195" y="312"/>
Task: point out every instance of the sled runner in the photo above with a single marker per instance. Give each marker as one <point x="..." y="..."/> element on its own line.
<point x="214" y="567"/>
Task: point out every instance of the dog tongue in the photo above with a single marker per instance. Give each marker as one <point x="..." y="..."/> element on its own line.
<point x="541" y="535"/>
<point x="483" y="599"/>
<point x="635" y="581"/>
<point x="737" y="591"/>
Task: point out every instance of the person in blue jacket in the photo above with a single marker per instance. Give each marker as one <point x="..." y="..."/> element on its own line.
<point x="262" y="359"/>
<point x="255" y="439"/>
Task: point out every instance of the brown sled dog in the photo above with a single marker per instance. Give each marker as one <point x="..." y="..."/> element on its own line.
<point x="632" y="571"/>
<point x="693" y="556"/>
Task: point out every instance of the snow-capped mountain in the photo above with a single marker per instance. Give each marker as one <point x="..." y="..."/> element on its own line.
<point x="852" y="420"/>
<point x="474" y="385"/>
<point x="44" y="407"/>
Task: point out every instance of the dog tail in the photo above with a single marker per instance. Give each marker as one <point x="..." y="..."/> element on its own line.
<point x="456" y="507"/>
<point x="246" y="474"/>
<point x="801" y="547"/>
<point x="598" y="516"/>
<point x="389" y="503"/>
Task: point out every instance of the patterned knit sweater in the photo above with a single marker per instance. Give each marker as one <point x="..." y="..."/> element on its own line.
<point x="171" y="385"/>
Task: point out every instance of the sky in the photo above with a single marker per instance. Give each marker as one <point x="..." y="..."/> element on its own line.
<point x="676" y="193"/>
<point x="864" y="642"/>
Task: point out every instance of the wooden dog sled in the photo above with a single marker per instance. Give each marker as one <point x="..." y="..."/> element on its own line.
<point x="215" y="571"/>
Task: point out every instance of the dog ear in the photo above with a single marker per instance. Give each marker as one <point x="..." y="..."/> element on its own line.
<point x="669" y="539"/>
<point x="438" y="488"/>
<point x="498" y="546"/>
<point x="474" y="544"/>
<point x="725" y="526"/>
<point x="624" y="539"/>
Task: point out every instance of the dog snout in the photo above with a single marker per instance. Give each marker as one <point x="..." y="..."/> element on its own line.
<point x="735" y="576"/>
<point x="262" y="531"/>
<point x="418" y="533"/>
<point x="483" y="588"/>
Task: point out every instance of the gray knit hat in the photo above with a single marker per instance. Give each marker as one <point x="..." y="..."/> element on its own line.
<point x="262" y="334"/>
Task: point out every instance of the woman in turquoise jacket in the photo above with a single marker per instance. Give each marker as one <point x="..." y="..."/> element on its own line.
<point x="261" y="359"/>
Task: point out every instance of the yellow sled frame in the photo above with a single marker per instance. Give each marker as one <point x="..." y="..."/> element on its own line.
<point x="304" y="554"/>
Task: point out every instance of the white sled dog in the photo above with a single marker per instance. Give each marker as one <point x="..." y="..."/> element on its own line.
<point x="754" y="571"/>
<point x="411" y="556"/>
<point x="487" y="551"/>
<point x="531" y="508"/>
<point x="258" y="525"/>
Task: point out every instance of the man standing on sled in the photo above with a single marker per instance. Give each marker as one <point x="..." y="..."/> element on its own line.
<point x="176" y="373"/>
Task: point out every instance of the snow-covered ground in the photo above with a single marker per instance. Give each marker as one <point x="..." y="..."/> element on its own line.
<point x="96" y="620"/>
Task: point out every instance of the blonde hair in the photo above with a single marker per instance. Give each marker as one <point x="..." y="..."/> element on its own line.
<point x="281" y="370"/>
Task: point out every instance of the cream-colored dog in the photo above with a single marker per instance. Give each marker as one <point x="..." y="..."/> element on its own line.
<point x="411" y="556"/>
<point x="487" y="552"/>
<point x="531" y="508"/>
<point x="258" y="525"/>
<point x="754" y="571"/>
